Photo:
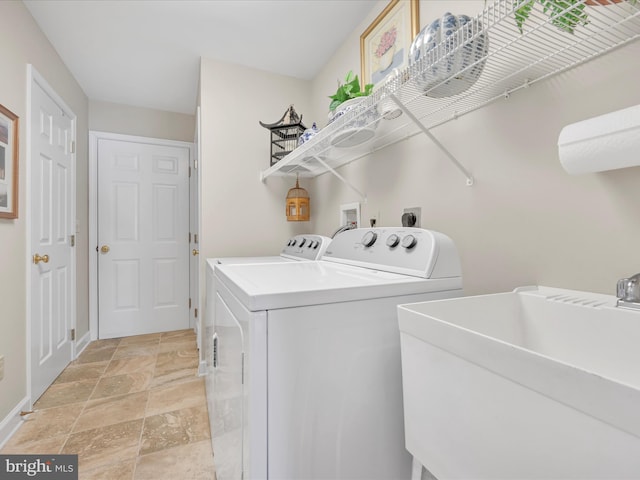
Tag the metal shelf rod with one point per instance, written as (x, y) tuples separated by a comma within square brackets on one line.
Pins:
[(419, 124), (341, 178)]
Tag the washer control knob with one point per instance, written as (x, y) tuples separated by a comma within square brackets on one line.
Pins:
[(369, 238), (302, 242), (409, 242), (293, 242), (393, 240)]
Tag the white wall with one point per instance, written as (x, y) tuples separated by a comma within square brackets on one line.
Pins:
[(526, 221), (138, 121), (240, 215), (22, 42)]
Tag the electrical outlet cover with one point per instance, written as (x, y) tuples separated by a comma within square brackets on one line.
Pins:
[(417, 211)]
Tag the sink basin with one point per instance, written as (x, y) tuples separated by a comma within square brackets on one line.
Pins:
[(536, 383)]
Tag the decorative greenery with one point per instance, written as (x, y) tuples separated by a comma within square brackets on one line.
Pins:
[(564, 14), (348, 90)]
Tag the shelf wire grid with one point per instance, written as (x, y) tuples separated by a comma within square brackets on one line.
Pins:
[(514, 60)]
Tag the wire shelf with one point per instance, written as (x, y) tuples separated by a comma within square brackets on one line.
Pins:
[(514, 60)]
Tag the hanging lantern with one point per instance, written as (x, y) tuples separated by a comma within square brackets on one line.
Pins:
[(297, 204)]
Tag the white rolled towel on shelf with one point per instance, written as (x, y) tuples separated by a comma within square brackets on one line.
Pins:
[(606, 142)]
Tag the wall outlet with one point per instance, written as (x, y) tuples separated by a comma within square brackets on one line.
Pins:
[(374, 219), (1, 367), (417, 211)]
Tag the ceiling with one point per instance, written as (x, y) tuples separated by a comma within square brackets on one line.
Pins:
[(147, 53)]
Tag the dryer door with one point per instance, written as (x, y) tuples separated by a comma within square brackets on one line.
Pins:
[(226, 415)]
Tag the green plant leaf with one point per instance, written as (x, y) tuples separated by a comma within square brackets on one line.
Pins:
[(522, 12)]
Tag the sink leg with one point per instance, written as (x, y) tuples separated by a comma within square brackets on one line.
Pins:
[(416, 470)]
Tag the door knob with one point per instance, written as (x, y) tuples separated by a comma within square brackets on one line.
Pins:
[(37, 259), (104, 249), (195, 252)]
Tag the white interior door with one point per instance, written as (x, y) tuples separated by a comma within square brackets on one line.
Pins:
[(52, 197), (143, 244)]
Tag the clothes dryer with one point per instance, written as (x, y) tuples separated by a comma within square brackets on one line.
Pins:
[(307, 247), (307, 368)]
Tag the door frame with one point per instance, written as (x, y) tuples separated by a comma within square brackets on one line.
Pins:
[(35, 78), (94, 138)]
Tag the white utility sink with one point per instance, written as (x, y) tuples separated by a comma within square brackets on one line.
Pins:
[(538, 383)]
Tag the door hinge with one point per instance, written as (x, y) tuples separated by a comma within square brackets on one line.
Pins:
[(195, 164), (195, 238), (189, 171), (72, 147), (195, 313), (73, 334), (189, 237), (72, 240), (189, 302)]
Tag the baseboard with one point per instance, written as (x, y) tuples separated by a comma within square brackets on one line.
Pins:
[(83, 343), (12, 422)]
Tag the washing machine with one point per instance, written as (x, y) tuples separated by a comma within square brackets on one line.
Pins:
[(307, 366)]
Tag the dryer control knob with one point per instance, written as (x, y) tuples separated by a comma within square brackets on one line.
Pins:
[(302, 242), (393, 240), (369, 238), (293, 242), (409, 242)]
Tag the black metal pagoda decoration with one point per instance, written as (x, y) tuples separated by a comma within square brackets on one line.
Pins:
[(284, 134)]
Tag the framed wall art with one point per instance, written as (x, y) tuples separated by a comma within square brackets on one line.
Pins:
[(384, 45), (8, 163)]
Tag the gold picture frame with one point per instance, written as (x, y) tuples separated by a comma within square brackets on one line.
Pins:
[(384, 45), (8, 163)]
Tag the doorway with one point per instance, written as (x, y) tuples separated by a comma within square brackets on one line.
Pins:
[(51, 210), (139, 235)]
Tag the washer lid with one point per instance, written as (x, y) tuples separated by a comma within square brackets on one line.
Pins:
[(242, 260), (294, 284)]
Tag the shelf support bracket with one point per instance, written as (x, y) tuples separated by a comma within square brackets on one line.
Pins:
[(426, 131), (362, 196)]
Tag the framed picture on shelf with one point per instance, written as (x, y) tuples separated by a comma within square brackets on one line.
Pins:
[(384, 45), (8, 163)]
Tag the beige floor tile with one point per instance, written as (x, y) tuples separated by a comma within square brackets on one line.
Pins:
[(101, 404), (176, 397), (174, 377), (178, 334), (171, 429), (137, 339), (97, 354), (82, 371), (130, 364), (118, 471), (111, 410), (176, 360), (66, 393), (187, 462), (98, 345), (136, 349), (46, 445), (185, 345), (51, 422), (123, 384), (105, 445)]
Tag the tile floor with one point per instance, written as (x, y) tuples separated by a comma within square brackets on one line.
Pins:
[(132, 408)]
